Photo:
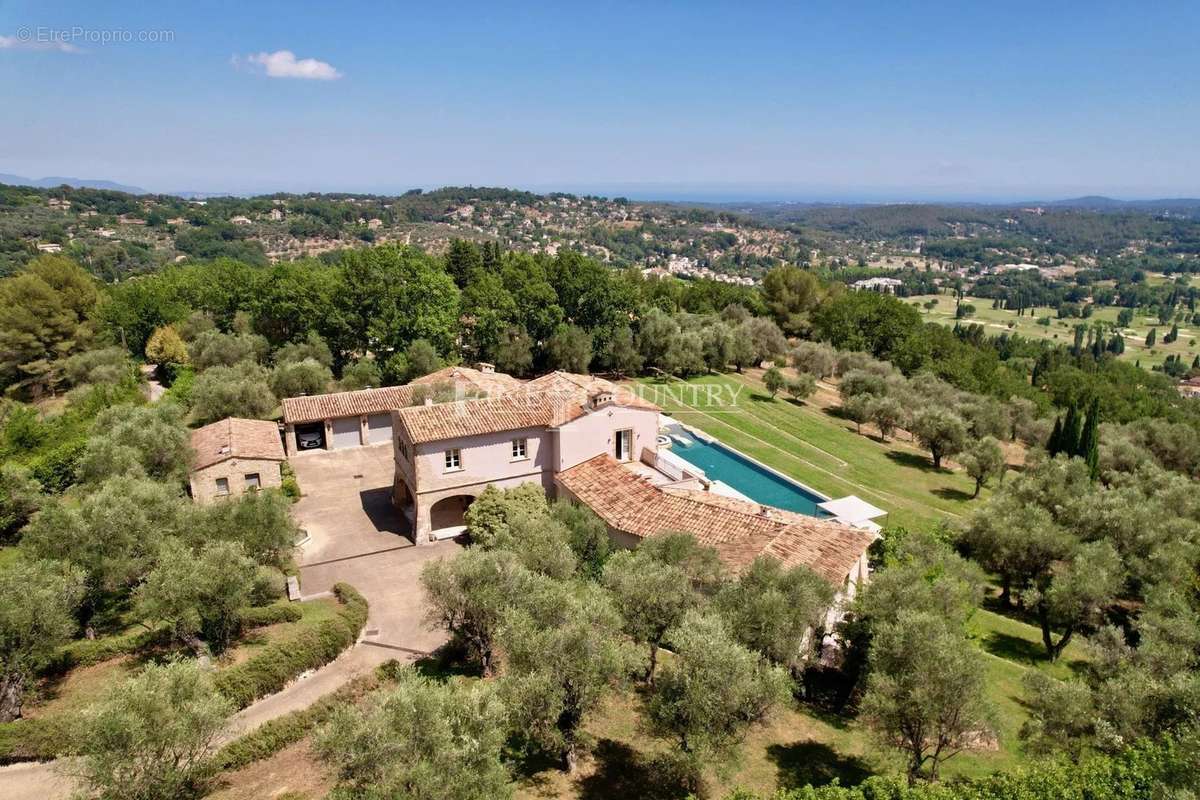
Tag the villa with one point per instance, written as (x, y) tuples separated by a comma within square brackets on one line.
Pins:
[(459, 430)]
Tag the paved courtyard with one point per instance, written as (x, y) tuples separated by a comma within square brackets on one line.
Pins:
[(357, 537)]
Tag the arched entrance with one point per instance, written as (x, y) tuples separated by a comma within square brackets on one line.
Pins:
[(447, 517)]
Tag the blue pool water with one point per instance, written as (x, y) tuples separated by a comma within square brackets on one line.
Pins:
[(761, 485)]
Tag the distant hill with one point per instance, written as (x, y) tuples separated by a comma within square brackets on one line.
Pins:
[(78, 183), (1100, 203)]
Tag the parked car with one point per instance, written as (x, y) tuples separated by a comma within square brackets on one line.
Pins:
[(310, 440)]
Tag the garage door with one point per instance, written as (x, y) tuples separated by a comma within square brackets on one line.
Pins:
[(379, 428), (345, 433)]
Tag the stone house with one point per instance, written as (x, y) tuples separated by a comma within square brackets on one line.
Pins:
[(234, 456)]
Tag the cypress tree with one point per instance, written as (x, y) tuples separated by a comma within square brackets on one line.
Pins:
[(1054, 443), (1069, 443), (1151, 336), (1089, 440)]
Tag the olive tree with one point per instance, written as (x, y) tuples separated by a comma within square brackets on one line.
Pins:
[(425, 740), (294, 378), (260, 522), (709, 696), (199, 594), (37, 605), (139, 441), (20, 497), (776, 611), (470, 594), (242, 390), (564, 655), (983, 460), (774, 381), (925, 693), (941, 432), (151, 738), (491, 515), (1072, 595), (112, 534), (801, 387), (886, 413), (652, 597)]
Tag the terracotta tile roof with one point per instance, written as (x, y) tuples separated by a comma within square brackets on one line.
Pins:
[(312, 408), (581, 388), (236, 438), (488, 383), (739, 531), (549, 401), (462, 418)]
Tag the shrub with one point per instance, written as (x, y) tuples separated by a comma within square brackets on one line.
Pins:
[(55, 470), (274, 666), (289, 485), (31, 740), (273, 614)]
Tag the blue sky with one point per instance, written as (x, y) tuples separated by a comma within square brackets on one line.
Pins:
[(800, 100)]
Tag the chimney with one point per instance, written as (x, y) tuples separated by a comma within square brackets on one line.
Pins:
[(486, 368), (428, 401)]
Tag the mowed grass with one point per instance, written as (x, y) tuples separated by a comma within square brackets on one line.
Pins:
[(816, 447), (1062, 331)]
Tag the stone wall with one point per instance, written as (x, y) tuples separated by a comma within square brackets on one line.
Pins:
[(234, 470)]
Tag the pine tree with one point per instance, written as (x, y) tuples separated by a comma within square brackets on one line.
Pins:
[(1054, 443), (1069, 443), (1089, 440)]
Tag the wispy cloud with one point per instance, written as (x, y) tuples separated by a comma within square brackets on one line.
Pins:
[(25, 42), (284, 64)]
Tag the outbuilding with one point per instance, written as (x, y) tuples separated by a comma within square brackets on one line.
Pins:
[(234, 456)]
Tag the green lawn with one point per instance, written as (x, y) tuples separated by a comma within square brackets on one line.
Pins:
[(997, 321), (818, 448)]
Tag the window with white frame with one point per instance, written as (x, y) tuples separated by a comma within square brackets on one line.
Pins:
[(453, 459), (222, 486), (520, 449)]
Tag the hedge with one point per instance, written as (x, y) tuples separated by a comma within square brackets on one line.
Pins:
[(276, 734), (273, 614), (278, 663), (88, 652)]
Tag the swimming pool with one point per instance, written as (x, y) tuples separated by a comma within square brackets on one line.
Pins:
[(762, 485)]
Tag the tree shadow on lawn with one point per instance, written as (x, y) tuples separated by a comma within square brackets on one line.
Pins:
[(622, 771), (914, 460), (950, 493), (1025, 652), (802, 763)]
